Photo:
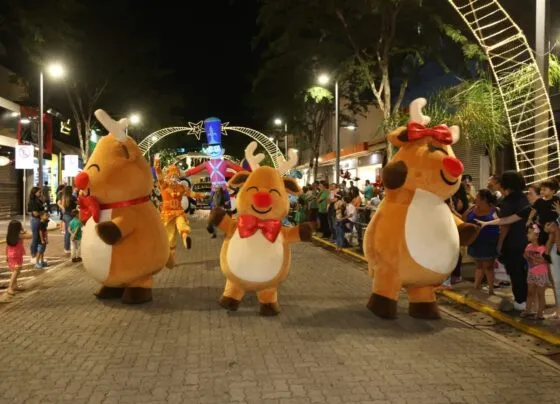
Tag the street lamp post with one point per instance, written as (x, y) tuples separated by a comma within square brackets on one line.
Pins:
[(323, 79), (55, 70), (278, 122), (41, 133)]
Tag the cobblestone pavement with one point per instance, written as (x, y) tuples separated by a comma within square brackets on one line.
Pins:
[(60, 345)]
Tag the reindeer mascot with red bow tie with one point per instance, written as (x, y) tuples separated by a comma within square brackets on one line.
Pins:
[(124, 242), (256, 254), (413, 239)]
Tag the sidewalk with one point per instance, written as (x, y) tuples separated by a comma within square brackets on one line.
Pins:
[(498, 306)]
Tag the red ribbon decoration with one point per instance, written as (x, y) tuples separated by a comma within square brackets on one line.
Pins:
[(441, 133), (248, 225), (91, 208)]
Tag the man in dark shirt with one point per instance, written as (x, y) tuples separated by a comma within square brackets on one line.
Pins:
[(513, 238)]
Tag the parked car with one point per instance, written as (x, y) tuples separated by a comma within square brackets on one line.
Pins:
[(203, 189)]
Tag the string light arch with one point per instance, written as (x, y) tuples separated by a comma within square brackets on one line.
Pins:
[(521, 85), (197, 129)]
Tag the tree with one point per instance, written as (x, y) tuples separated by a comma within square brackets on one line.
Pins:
[(378, 43), (316, 107)]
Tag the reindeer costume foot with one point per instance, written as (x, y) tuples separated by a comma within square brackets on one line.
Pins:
[(229, 303), (137, 295), (269, 309), (107, 292), (425, 310), (382, 306)]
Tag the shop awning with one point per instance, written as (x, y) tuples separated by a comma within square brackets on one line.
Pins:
[(60, 147)]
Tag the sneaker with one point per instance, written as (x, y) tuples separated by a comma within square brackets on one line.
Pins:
[(74, 260), (519, 306), (39, 266), (45, 263), (66, 252)]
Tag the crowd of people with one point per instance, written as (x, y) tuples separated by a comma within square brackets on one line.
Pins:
[(520, 229), (335, 208), (40, 208)]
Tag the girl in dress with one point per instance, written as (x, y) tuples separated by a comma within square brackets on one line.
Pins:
[(537, 278), (14, 253), (484, 248)]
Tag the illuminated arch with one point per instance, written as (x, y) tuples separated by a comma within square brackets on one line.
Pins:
[(522, 89), (203, 157), (197, 129)]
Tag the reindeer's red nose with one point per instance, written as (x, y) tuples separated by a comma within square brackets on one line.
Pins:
[(82, 180), (262, 200), (453, 166)]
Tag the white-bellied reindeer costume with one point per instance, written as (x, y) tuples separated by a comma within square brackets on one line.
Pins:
[(413, 239), (256, 255), (124, 242)]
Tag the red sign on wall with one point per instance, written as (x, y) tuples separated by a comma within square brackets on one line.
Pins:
[(28, 128)]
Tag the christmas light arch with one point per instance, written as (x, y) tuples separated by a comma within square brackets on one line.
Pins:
[(197, 129), (522, 89)]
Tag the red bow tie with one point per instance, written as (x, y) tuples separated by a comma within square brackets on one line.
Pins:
[(90, 206), (441, 133), (248, 225)]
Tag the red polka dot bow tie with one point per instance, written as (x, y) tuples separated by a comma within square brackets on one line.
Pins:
[(248, 225)]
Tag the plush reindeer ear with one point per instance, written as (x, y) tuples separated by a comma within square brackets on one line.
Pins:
[(398, 137), (292, 186), (128, 149), (239, 179)]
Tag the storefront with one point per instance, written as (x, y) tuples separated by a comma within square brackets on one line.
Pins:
[(369, 168), (10, 179)]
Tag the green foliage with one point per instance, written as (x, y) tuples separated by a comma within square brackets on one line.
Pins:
[(167, 157), (318, 94), (554, 71)]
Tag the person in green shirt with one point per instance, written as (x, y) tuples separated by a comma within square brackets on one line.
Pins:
[(368, 191), (75, 229), (323, 202)]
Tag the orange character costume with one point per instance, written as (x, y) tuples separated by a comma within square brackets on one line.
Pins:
[(123, 240), (172, 213), (413, 239)]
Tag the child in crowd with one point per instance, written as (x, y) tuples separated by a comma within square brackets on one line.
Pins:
[(341, 220), (75, 228), (14, 253), (537, 278), (542, 211), (43, 240)]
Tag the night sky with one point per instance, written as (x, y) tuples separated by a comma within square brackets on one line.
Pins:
[(207, 45)]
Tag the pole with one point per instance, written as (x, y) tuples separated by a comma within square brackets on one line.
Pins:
[(24, 195), (41, 134), (286, 138), (337, 132), (542, 118)]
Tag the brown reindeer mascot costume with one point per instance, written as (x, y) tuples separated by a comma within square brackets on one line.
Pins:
[(124, 242), (256, 254), (413, 239)]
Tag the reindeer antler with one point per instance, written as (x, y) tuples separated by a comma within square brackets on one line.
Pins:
[(287, 165), (250, 156), (116, 128), (416, 111)]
